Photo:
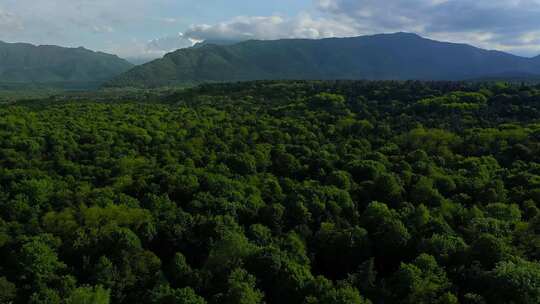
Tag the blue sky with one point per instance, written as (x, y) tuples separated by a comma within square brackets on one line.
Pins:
[(149, 28)]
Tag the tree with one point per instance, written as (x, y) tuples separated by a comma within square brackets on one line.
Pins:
[(285, 164), (516, 281), (166, 295), (343, 295), (340, 179), (423, 281), (328, 101), (341, 251), (45, 296), (260, 235), (229, 252), (180, 271), (39, 262), (8, 291), (89, 295), (387, 232), (423, 192), (323, 291), (282, 278), (388, 189), (447, 249), (489, 250), (241, 289), (242, 163)]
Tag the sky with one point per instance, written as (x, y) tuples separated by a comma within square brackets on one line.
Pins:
[(150, 28)]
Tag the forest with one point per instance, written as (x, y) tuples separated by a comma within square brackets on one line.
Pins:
[(285, 192)]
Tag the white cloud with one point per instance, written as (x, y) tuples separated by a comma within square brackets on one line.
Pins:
[(242, 28), (501, 24), (271, 27), (107, 25), (168, 20), (155, 48), (120, 25), (509, 25), (10, 23), (72, 22), (102, 29), (170, 43)]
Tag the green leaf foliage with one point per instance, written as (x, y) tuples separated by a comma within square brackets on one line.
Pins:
[(273, 192)]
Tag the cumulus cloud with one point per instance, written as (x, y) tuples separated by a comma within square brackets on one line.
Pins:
[(142, 51), (270, 27), (124, 26), (509, 25), (70, 22), (169, 43), (502, 24), (9, 23), (111, 26), (245, 28), (439, 15)]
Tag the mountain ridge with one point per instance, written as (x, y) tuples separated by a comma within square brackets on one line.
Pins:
[(398, 56), (25, 63)]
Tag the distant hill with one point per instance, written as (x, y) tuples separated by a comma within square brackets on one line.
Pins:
[(536, 61), (25, 64), (400, 56)]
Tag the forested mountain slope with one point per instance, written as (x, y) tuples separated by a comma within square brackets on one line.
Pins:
[(399, 56), (22, 63)]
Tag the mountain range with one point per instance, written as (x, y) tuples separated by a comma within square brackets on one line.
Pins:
[(22, 63), (399, 56)]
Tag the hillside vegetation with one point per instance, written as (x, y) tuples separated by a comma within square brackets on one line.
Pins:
[(399, 56), (26, 64), (274, 192)]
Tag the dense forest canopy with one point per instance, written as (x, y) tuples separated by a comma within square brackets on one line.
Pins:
[(274, 192)]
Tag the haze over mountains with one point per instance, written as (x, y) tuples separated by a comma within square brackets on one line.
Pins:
[(22, 63), (399, 56)]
